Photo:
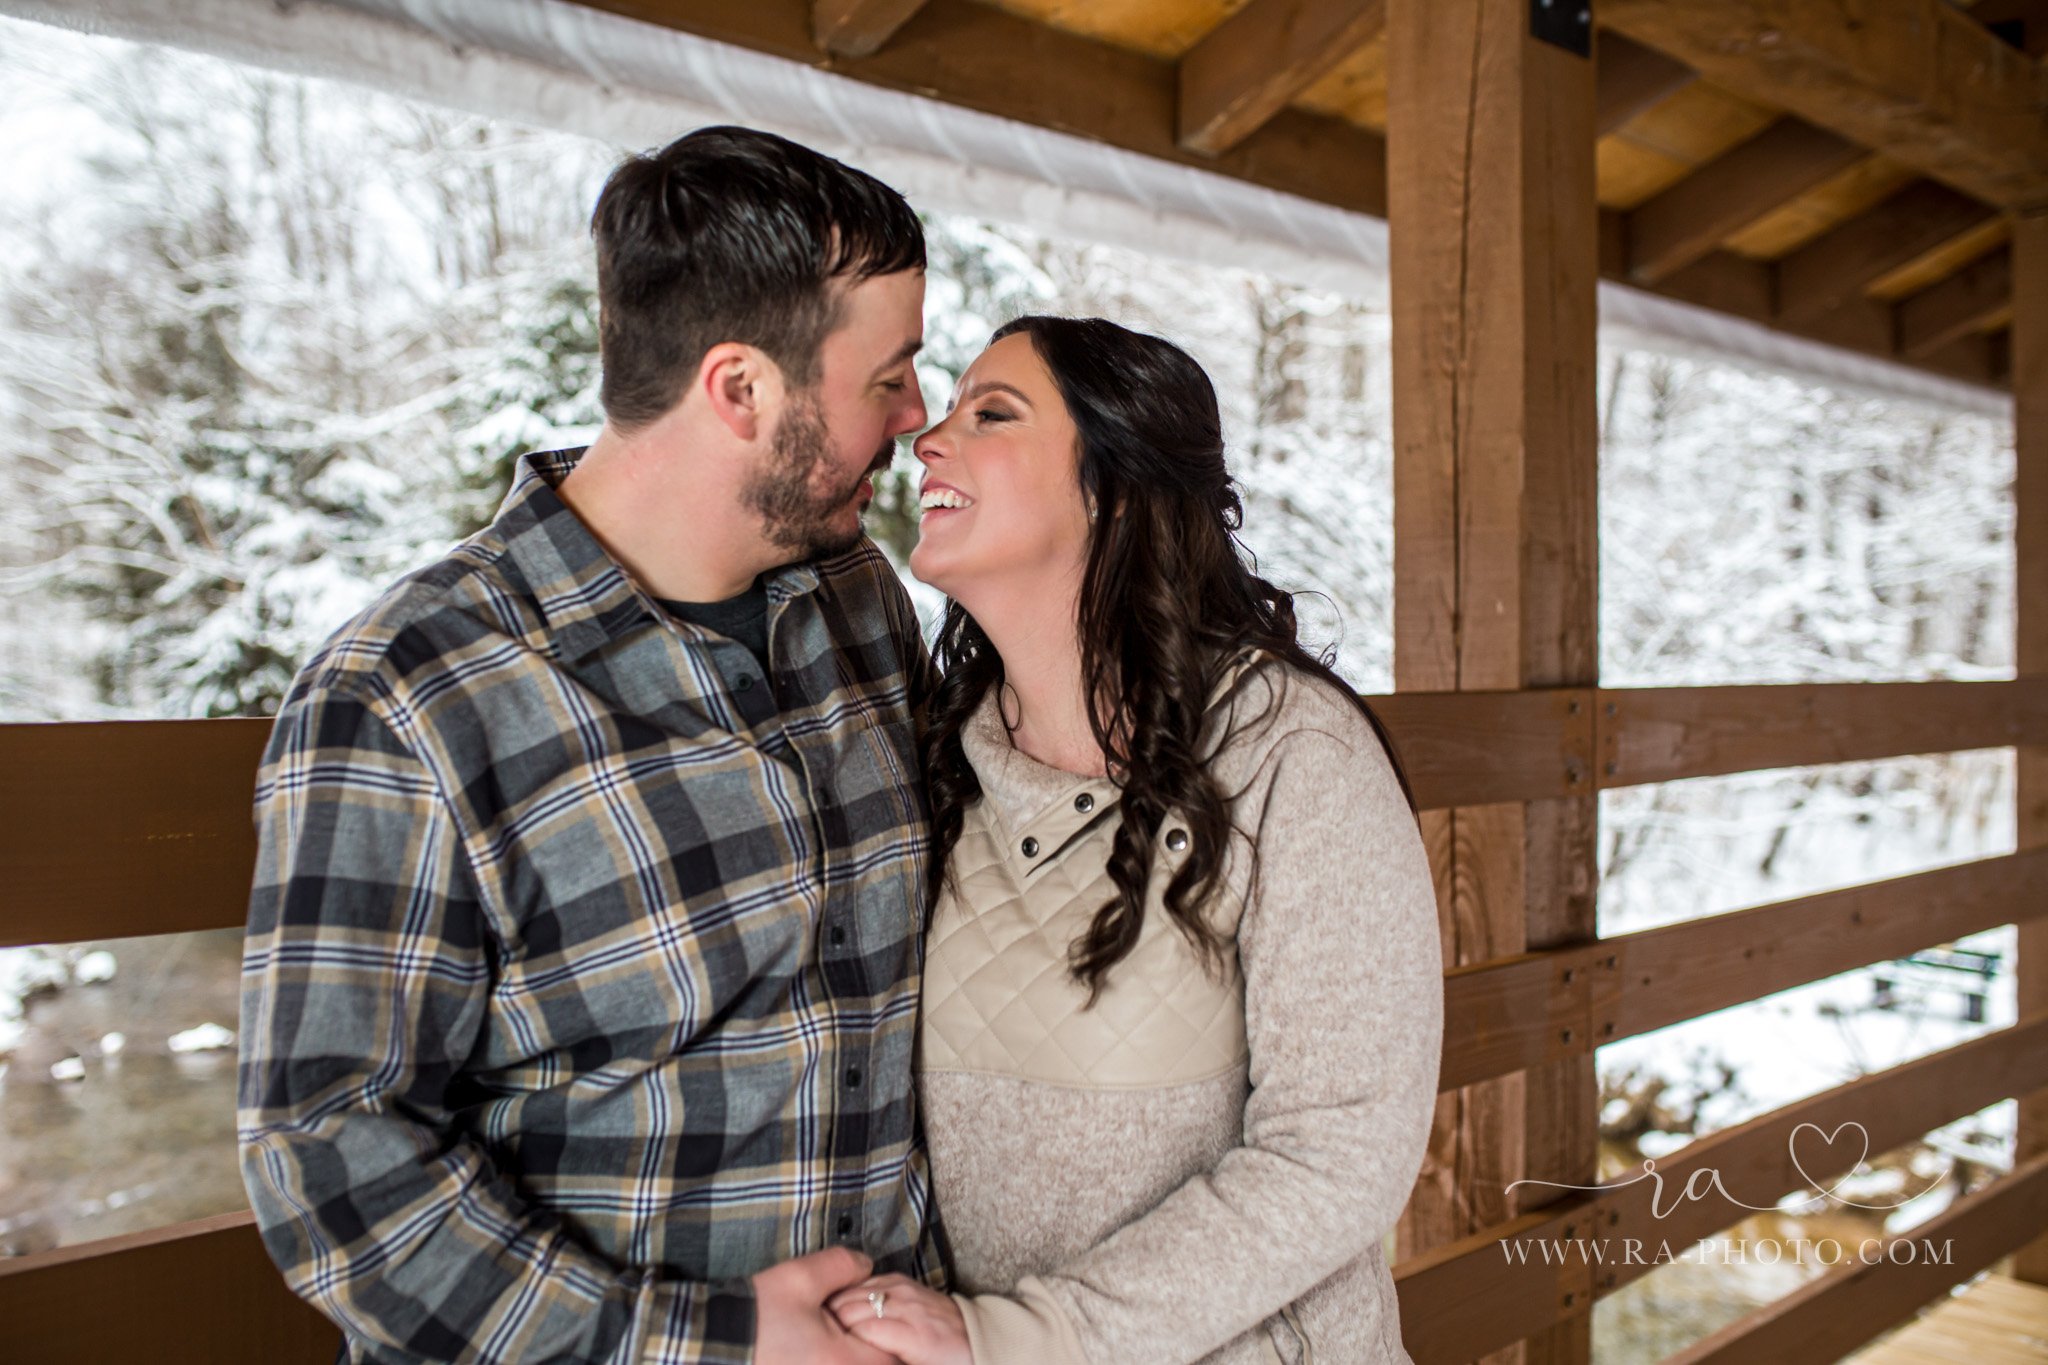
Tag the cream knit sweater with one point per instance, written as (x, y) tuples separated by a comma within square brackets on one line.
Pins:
[(1195, 1169)]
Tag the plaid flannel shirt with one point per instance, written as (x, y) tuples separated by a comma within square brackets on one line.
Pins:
[(565, 1006)]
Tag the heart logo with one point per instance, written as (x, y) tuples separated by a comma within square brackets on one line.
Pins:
[(1830, 1160)]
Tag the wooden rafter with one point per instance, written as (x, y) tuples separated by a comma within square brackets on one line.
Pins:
[(1690, 219), (1255, 62), (856, 28), (1972, 300), (1629, 78), (1836, 266), (1918, 80)]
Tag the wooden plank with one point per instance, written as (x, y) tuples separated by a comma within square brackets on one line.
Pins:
[(1475, 748), (199, 1293), (117, 828), (1843, 1308), (982, 58), (1531, 1009), (1631, 78), (1690, 219), (1996, 1321), (1494, 235), (1256, 61), (1971, 300), (1837, 266), (1918, 80), (857, 28), (2030, 596), (1705, 1187), (1663, 734)]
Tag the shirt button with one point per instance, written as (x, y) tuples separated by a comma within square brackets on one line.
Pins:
[(1176, 839), (745, 684), (1084, 803), (838, 936), (853, 1078), (846, 1225)]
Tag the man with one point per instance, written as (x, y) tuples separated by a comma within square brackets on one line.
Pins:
[(582, 968)]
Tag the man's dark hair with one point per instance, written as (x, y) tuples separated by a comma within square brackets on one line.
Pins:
[(732, 234)]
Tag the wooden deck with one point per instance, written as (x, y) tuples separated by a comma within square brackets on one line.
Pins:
[(1996, 1321)]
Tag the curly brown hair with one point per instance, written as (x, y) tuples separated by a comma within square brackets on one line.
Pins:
[(1169, 599)]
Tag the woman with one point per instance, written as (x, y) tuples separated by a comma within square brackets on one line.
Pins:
[(1183, 986)]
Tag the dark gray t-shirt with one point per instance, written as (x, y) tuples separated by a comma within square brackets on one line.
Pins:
[(743, 619)]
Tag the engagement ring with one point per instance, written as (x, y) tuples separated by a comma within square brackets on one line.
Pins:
[(877, 1297)]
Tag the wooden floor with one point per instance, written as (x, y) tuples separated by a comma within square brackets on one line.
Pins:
[(1996, 1321)]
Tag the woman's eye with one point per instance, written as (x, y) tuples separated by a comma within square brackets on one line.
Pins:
[(992, 414)]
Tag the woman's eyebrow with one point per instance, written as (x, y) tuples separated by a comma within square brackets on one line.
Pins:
[(997, 386)]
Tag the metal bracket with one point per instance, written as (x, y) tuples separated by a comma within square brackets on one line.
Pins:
[(1563, 23)]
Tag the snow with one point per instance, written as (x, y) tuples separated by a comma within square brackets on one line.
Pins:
[(204, 1038)]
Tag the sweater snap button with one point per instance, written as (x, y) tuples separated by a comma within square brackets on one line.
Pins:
[(1176, 839), (1084, 803), (1031, 848)]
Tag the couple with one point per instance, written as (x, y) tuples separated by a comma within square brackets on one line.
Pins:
[(615, 870)]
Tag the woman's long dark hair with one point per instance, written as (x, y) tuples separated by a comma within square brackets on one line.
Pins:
[(1168, 599)]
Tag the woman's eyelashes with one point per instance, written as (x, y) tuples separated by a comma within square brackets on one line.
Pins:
[(991, 415)]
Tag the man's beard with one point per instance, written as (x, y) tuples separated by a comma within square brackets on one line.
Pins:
[(793, 516)]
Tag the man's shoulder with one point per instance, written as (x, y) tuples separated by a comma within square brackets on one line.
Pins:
[(416, 626)]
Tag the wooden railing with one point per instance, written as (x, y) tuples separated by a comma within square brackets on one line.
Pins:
[(129, 828)]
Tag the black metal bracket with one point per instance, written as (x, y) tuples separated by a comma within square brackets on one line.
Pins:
[(1563, 23)]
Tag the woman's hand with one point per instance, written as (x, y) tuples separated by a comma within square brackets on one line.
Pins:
[(919, 1325)]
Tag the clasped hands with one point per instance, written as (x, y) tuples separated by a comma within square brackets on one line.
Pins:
[(816, 1310)]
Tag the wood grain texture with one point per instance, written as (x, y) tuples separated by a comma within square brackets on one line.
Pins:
[(1259, 59), (1918, 80), (199, 1293), (856, 28)]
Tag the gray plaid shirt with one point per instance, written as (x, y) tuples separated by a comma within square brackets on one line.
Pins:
[(566, 1004)]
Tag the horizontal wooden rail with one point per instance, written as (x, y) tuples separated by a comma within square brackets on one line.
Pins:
[(1825, 1318), (1533, 1008), (198, 1293), (120, 828), (1697, 1191), (1662, 734)]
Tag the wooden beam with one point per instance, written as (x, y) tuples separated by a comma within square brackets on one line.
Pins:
[(198, 1293), (1630, 78), (2030, 598), (1494, 236), (858, 28), (1757, 1163), (1665, 734), (1253, 64), (1476, 748), (1918, 80), (1690, 219), (1835, 267), (1531, 1009), (1842, 1308), (980, 57), (1969, 301)]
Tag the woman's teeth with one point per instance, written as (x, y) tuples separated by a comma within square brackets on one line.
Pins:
[(943, 497)]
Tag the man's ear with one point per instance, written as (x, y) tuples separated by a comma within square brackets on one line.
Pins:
[(742, 387)]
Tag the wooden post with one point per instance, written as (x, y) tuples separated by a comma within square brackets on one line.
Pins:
[(2030, 599), (1493, 225)]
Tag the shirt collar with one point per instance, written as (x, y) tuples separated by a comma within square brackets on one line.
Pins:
[(588, 598)]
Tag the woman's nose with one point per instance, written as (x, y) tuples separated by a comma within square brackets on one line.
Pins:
[(932, 445)]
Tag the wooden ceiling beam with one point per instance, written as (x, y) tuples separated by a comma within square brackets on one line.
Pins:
[(1918, 80), (979, 57), (1253, 64), (858, 28), (1629, 78), (1677, 227), (1841, 262), (2022, 23), (1972, 300)]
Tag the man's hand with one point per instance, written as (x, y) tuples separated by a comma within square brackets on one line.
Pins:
[(792, 1324)]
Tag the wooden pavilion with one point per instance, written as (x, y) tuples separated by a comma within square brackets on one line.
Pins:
[(1868, 174)]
